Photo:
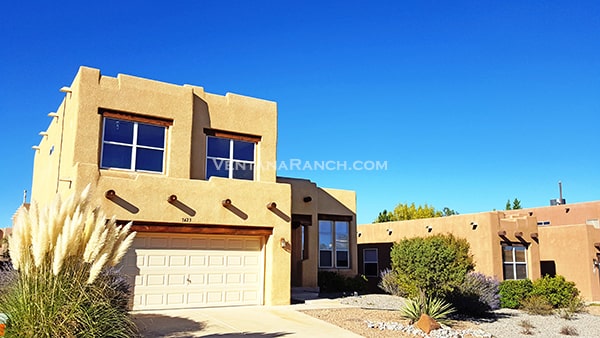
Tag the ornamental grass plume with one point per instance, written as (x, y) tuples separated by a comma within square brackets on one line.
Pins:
[(43, 239)]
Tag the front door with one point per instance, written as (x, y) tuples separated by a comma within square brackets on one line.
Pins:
[(300, 224)]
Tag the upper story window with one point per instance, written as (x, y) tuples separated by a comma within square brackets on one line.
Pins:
[(133, 143), (230, 155)]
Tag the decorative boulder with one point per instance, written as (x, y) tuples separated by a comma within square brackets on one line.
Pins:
[(427, 324)]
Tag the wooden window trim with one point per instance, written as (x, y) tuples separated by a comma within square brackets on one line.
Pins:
[(339, 218), (158, 121), (232, 135)]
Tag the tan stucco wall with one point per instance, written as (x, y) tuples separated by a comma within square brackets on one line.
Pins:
[(572, 249), (485, 244), (324, 201), (76, 141)]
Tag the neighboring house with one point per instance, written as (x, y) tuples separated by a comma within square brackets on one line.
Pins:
[(512, 244), (196, 173)]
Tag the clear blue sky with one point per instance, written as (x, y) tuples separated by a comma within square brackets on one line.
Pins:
[(469, 102)]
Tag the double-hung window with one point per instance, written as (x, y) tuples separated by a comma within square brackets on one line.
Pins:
[(370, 262), (133, 145), (514, 259), (333, 244), (230, 158)]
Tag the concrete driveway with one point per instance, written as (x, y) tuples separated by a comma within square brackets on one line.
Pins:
[(246, 321)]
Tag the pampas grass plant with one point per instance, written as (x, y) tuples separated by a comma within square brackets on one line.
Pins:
[(59, 253)]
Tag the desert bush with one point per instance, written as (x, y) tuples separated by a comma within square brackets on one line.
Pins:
[(333, 282), (389, 283), (575, 305), (436, 264), (557, 290), (477, 295), (536, 305), (527, 327), (436, 308), (513, 292), (569, 331), (62, 287)]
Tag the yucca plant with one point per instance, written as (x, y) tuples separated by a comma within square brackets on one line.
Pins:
[(59, 252), (435, 308)]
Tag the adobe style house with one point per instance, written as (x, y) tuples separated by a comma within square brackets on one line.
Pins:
[(511, 244), (196, 173)]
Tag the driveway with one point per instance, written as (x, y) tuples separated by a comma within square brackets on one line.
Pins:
[(245, 321)]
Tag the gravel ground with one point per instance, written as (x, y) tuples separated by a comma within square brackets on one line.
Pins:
[(378, 309)]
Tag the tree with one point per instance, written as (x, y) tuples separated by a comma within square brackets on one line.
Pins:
[(384, 216), (405, 211), (516, 204)]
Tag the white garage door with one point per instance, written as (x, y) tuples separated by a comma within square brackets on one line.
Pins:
[(185, 271)]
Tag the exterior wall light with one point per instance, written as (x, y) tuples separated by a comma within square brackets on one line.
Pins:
[(389, 231), (226, 202), (429, 228), (359, 234), (282, 242), (474, 225)]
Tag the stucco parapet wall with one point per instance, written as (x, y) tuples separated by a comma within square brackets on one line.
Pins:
[(145, 197), (322, 200)]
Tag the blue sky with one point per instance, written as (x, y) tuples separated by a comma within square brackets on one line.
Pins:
[(469, 103)]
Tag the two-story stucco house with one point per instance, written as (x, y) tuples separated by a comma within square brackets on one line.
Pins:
[(196, 173)]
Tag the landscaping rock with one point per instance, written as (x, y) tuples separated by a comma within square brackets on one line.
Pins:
[(427, 324)]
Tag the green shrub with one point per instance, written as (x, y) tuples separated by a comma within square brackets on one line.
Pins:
[(436, 264), (333, 282), (557, 290), (536, 305), (513, 292), (435, 308), (477, 295)]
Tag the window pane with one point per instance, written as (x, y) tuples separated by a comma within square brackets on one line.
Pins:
[(118, 131), (218, 147), (370, 255), (116, 156), (243, 150), (520, 254), (149, 159), (341, 235), (508, 271), (371, 270), (243, 170), (325, 235), (507, 255), (152, 136), (341, 259), (325, 257), (521, 271), (219, 168)]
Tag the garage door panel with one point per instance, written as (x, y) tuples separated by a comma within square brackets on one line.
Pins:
[(195, 271)]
